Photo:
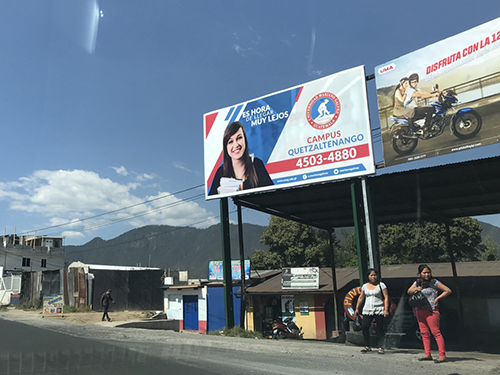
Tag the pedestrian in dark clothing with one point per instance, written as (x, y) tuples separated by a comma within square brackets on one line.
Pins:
[(106, 300)]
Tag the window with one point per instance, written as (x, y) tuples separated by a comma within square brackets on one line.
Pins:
[(43, 263), (26, 262)]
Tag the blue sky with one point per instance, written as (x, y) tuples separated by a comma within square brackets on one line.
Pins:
[(102, 102)]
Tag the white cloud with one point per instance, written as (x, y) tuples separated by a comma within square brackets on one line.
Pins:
[(121, 170), (72, 234), (181, 166), (67, 197), (145, 177)]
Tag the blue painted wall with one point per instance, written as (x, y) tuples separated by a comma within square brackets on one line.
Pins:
[(216, 318)]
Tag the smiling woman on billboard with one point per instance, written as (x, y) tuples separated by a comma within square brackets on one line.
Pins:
[(239, 170)]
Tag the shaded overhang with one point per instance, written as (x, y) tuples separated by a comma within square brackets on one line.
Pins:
[(470, 188)]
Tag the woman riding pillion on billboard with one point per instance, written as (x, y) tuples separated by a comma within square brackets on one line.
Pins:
[(238, 164), (399, 100)]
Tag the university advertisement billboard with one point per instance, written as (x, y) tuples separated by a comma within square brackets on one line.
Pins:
[(315, 132), (454, 83)]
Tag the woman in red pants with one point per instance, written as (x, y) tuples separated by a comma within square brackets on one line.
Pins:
[(428, 316)]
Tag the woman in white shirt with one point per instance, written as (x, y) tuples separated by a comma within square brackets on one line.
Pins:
[(375, 296)]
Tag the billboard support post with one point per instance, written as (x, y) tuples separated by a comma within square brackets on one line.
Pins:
[(371, 228), (226, 263), (242, 267), (359, 227), (455, 275), (334, 282)]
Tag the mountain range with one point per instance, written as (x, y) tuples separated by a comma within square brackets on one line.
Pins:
[(182, 248), (163, 246)]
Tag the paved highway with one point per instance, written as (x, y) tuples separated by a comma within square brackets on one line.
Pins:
[(31, 345), (25, 349)]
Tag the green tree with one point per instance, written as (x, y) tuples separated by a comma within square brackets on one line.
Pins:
[(292, 244), (266, 260), (490, 250), (427, 241), (346, 251)]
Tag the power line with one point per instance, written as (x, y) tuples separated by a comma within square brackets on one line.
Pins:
[(144, 213), (152, 235), (117, 210)]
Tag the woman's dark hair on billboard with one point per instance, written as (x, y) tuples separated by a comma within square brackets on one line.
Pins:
[(227, 167)]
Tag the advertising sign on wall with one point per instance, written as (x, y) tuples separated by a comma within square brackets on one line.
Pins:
[(300, 278), (315, 132), (287, 305), (216, 270), (443, 98)]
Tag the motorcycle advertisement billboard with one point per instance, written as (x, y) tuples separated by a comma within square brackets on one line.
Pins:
[(443, 98), (315, 132)]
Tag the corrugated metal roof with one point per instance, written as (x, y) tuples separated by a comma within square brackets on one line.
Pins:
[(79, 264), (348, 274), (181, 286), (469, 188)]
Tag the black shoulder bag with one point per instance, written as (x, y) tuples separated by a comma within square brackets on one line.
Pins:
[(417, 299)]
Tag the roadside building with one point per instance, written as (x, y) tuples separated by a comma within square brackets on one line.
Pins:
[(198, 305), (32, 266), (31, 253), (188, 305), (133, 288), (475, 300)]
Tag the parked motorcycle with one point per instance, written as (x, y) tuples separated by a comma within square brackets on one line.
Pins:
[(464, 124), (285, 329)]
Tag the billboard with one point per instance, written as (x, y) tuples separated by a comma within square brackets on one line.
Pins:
[(443, 98), (300, 278), (216, 270), (315, 132), (53, 304)]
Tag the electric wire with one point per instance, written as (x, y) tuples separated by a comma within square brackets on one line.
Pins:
[(144, 213), (114, 211), (171, 230)]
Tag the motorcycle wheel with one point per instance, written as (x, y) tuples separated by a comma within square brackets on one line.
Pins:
[(467, 125), (281, 335), (275, 334), (402, 145)]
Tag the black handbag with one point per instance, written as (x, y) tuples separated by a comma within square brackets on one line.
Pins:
[(417, 299), (358, 323)]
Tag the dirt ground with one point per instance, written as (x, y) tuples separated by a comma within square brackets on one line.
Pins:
[(91, 317)]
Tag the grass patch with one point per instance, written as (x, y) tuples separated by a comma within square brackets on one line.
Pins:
[(25, 304), (237, 332)]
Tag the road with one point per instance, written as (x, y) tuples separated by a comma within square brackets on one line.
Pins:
[(33, 345), (26, 349)]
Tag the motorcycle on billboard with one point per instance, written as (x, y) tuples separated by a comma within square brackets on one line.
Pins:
[(464, 123)]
